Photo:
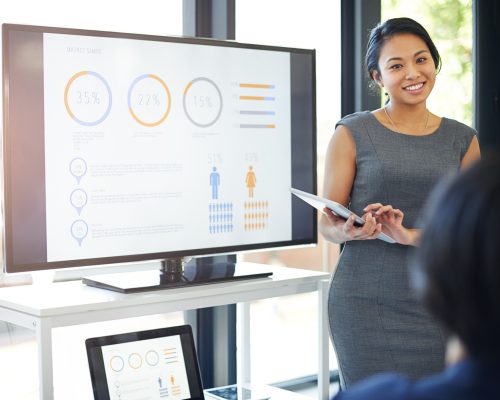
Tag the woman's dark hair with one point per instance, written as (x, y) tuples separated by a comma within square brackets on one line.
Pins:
[(386, 30), (457, 265)]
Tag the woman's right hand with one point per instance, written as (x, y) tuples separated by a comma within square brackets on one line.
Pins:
[(339, 230)]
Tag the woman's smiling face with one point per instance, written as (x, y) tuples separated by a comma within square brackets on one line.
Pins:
[(407, 70)]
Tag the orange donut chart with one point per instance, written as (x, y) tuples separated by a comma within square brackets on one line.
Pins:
[(131, 109), (135, 360)]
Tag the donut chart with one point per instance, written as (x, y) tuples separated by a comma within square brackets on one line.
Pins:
[(202, 102), (135, 361), (152, 358), (149, 100), (116, 363), (87, 98)]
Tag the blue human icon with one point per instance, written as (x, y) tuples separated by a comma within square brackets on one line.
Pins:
[(215, 182)]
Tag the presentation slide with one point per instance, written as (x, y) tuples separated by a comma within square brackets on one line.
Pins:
[(152, 146), (146, 369)]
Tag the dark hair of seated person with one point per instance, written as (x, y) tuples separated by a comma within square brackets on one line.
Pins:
[(458, 259)]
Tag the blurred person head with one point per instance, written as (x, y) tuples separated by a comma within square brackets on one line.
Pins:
[(457, 264)]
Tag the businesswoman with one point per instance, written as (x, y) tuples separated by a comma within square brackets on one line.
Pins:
[(457, 274), (382, 165)]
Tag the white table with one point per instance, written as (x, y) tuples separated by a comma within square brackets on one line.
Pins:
[(44, 307)]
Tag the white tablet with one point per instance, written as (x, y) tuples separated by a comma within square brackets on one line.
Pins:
[(320, 203)]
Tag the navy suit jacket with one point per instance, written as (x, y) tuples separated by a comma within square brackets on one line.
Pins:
[(467, 380)]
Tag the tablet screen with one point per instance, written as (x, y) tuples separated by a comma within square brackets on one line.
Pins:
[(155, 364)]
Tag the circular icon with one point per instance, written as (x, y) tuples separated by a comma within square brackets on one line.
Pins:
[(149, 100), (79, 230), (152, 358), (135, 360), (78, 199), (87, 98), (116, 363), (78, 168), (202, 102)]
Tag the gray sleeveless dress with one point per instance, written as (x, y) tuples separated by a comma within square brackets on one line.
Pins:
[(376, 323)]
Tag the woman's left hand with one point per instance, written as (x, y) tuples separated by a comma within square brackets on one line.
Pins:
[(392, 223)]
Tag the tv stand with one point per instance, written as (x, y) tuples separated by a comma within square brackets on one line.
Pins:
[(45, 307), (172, 270), (175, 273)]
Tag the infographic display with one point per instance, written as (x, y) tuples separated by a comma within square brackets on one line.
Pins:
[(146, 369), (152, 146)]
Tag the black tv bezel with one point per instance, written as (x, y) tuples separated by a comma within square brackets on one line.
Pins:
[(145, 257)]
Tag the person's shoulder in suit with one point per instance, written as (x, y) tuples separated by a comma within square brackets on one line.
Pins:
[(466, 380), (385, 386)]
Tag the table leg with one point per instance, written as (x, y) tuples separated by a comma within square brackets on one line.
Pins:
[(43, 329), (323, 342), (243, 361)]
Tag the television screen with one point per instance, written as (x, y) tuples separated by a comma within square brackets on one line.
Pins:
[(125, 147)]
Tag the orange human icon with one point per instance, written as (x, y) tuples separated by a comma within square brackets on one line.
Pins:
[(172, 380), (250, 180)]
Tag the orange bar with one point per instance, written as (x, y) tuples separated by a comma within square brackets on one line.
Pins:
[(252, 97), (256, 85), (271, 126)]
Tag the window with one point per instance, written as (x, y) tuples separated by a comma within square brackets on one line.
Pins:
[(151, 17), (312, 25)]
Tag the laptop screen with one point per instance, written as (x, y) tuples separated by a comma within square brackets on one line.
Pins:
[(153, 364)]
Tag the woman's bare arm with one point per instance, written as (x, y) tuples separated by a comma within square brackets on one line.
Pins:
[(340, 170)]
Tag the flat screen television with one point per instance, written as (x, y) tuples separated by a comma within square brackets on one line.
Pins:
[(122, 147)]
